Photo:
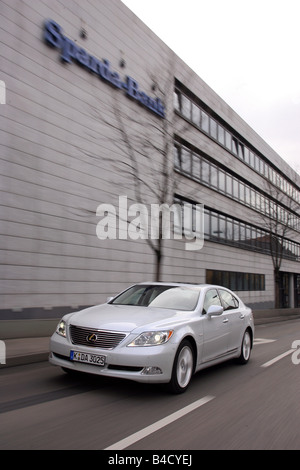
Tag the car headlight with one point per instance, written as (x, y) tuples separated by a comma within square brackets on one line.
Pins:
[(152, 338), (61, 328)]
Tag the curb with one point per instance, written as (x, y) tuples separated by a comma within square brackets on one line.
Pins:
[(25, 360)]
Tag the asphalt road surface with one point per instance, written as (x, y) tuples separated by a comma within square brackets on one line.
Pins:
[(226, 407)]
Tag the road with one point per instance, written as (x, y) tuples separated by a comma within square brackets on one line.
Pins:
[(226, 407)]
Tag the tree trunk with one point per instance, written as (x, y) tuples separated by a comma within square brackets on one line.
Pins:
[(158, 258), (277, 287)]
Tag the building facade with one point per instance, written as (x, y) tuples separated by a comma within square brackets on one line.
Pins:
[(100, 113)]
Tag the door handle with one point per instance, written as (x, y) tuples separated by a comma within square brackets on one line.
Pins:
[(242, 316), (226, 320)]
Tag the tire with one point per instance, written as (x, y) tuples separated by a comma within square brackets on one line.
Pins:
[(245, 348), (183, 368)]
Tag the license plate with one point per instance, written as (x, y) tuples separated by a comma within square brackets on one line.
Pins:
[(87, 358)]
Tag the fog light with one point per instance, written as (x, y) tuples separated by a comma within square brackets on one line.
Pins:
[(151, 371)]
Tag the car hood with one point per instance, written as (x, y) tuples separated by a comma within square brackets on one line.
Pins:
[(126, 318)]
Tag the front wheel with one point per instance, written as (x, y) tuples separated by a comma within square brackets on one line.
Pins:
[(183, 368), (246, 348)]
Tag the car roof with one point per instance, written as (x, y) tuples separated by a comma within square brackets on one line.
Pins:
[(181, 284)]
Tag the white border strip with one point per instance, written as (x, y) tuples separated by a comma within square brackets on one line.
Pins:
[(276, 359), (128, 441)]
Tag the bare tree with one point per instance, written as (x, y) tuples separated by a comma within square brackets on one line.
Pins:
[(145, 149), (280, 222)]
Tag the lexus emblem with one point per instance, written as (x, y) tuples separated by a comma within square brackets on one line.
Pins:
[(92, 338)]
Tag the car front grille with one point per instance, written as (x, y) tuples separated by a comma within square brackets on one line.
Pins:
[(95, 338)]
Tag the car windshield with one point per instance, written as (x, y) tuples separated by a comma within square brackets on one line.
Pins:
[(160, 296)]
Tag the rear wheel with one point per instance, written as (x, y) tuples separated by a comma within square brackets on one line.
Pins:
[(245, 348), (183, 368)]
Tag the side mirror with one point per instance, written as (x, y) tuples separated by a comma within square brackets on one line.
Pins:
[(215, 310)]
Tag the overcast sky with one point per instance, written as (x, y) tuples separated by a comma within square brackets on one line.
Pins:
[(247, 51)]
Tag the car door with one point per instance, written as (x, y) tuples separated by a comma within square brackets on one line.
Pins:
[(215, 329), (236, 322)]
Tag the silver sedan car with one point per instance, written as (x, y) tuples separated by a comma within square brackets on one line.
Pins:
[(156, 333)]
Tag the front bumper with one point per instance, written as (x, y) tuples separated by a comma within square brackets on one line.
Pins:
[(151, 364)]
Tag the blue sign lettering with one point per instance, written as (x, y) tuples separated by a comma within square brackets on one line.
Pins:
[(71, 52)]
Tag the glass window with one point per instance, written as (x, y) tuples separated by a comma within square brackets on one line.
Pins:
[(209, 276), (211, 298), (186, 160), (241, 151), (196, 115), (236, 232), (207, 224), (188, 219), (256, 163), (252, 282), (177, 100), (177, 157), (218, 278), (229, 229), (240, 282), (254, 237), (221, 181), (215, 226), (228, 140), (213, 129), (246, 281), (234, 146), (263, 204), (229, 185), (235, 189), (253, 198), (247, 195), (233, 280), (242, 192), (221, 135), (222, 228), (267, 206), (266, 170), (261, 167), (248, 234), (273, 176), (228, 300), (258, 201), (225, 279), (185, 107), (258, 238), (204, 122), (183, 298), (205, 172), (246, 155), (242, 233), (214, 176), (196, 167)]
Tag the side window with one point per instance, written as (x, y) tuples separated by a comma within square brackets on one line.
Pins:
[(228, 300), (211, 298)]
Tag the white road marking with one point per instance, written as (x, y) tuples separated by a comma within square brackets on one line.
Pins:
[(278, 358), (128, 441), (263, 341)]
